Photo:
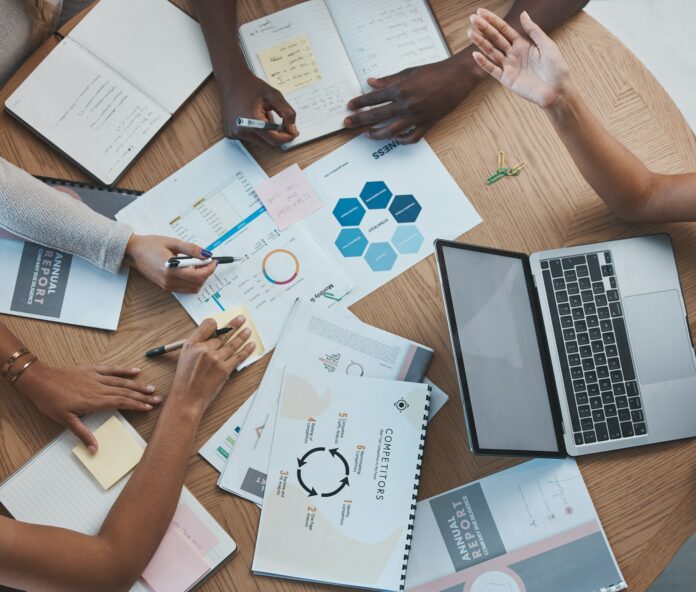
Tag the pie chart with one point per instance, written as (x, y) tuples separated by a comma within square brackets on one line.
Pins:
[(280, 266)]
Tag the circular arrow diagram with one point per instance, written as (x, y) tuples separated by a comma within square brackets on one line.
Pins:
[(311, 491)]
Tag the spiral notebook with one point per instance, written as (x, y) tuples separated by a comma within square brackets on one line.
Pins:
[(343, 478), (51, 285)]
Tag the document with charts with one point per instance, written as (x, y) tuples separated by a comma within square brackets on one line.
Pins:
[(384, 205), (320, 53), (342, 480), (212, 202), (532, 527), (332, 343)]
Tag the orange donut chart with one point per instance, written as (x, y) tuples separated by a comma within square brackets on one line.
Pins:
[(280, 282)]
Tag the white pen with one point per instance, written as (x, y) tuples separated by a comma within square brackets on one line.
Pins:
[(193, 262), (259, 124)]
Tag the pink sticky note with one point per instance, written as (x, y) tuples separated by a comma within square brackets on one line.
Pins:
[(288, 197), (178, 562)]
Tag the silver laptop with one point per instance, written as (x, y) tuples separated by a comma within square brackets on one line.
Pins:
[(572, 351)]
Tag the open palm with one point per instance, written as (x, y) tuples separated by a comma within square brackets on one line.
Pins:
[(529, 65)]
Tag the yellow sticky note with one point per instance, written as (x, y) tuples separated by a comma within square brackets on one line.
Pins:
[(290, 65), (225, 317), (118, 453)]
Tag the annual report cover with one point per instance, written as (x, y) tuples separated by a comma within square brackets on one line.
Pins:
[(531, 528), (51, 285), (342, 480)]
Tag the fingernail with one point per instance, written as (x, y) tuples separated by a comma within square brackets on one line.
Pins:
[(240, 319), (251, 346), (92, 449), (148, 407), (206, 253), (246, 331), (346, 121), (136, 370), (150, 388), (157, 399)]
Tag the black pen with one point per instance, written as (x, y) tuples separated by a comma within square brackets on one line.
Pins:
[(185, 261), (164, 349), (259, 124)]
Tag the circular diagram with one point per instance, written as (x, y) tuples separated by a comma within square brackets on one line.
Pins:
[(280, 266)]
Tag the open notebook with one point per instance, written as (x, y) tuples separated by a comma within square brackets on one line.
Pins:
[(106, 90), (320, 53), (55, 489)]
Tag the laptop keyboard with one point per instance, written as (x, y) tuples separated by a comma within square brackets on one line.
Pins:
[(600, 381)]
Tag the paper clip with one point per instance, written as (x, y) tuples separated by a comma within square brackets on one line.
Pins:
[(501, 160), (500, 174), (330, 296), (516, 170)]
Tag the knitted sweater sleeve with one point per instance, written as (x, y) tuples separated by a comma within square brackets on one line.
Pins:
[(36, 212)]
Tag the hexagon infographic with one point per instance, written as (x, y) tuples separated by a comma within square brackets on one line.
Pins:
[(405, 208), (351, 242), (378, 237), (375, 195), (349, 211), (380, 256)]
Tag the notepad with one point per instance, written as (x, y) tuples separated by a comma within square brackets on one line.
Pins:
[(289, 197), (320, 53), (54, 489), (117, 454), (108, 88), (225, 317)]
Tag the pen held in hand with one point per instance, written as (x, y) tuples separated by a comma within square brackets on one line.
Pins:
[(170, 347), (193, 262), (258, 124)]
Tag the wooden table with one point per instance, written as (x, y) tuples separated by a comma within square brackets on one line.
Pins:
[(646, 498)]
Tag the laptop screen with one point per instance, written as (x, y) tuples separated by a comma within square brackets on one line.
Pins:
[(498, 354)]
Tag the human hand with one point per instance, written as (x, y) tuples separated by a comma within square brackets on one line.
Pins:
[(206, 362), (529, 65), (148, 254), (64, 394), (253, 98), (411, 101)]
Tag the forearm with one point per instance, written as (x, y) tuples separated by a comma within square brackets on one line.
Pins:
[(549, 14), (44, 558), (218, 19), (36, 212)]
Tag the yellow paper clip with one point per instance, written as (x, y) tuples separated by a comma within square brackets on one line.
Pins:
[(501, 160), (517, 169)]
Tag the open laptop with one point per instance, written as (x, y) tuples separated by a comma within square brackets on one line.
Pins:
[(571, 351)]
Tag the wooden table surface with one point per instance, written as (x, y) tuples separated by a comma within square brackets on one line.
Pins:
[(645, 497)]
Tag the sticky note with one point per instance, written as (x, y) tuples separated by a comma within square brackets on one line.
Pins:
[(176, 565), (118, 452), (290, 65), (289, 197), (222, 318), (192, 528)]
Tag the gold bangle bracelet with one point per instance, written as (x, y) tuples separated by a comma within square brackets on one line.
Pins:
[(13, 376), (12, 359)]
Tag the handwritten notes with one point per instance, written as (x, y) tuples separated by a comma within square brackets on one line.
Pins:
[(225, 317), (118, 453), (290, 65), (289, 197), (179, 561)]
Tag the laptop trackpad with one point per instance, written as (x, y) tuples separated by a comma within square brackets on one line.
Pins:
[(659, 337)]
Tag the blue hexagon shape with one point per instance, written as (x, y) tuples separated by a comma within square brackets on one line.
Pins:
[(380, 256), (407, 239), (349, 211), (351, 242), (375, 195), (405, 208)]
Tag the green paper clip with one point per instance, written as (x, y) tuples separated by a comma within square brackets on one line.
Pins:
[(330, 296), (499, 174)]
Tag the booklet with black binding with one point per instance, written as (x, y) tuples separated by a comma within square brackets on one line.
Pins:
[(342, 480), (48, 284), (107, 88)]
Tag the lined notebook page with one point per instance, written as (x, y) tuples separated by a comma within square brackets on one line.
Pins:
[(321, 103), (55, 489), (94, 115), (383, 37)]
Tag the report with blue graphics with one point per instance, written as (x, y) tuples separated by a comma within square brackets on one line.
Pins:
[(212, 202), (530, 528)]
